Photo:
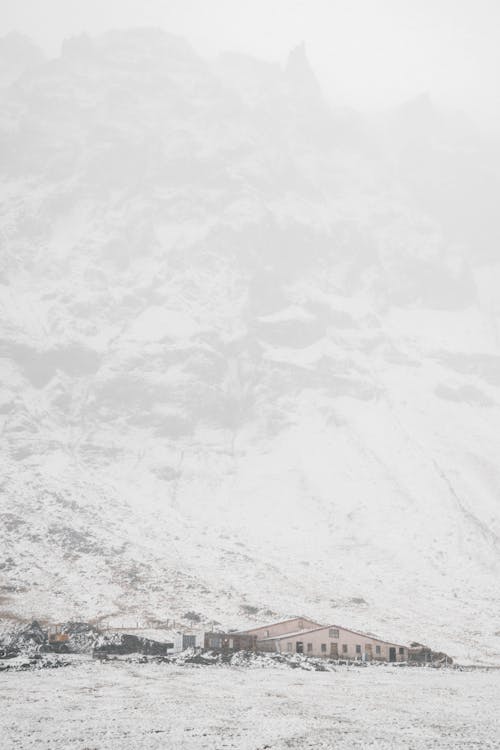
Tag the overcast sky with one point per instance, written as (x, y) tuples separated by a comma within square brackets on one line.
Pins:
[(367, 53)]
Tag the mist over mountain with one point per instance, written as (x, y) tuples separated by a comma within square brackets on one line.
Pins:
[(18, 53), (249, 347)]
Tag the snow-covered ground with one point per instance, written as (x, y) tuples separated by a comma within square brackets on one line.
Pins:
[(121, 705)]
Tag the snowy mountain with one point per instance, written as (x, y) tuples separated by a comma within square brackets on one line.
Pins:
[(250, 359)]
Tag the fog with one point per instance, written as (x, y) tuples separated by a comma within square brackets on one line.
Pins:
[(367, 54), (249, 367)]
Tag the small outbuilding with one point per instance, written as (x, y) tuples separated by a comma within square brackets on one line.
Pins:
[(230, 641)]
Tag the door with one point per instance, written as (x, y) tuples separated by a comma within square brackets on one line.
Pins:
[(188, 641), (392, 653), (299, 647), (334, 650)]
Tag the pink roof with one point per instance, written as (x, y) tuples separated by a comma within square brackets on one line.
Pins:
[(278, 622)]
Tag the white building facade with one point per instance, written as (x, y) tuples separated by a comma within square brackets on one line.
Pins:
[(335, 642)]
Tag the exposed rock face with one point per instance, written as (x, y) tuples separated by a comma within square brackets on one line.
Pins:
[(25, 639), (131, 644), (420, 654), (245, 361), (79, 638), (304, 83)]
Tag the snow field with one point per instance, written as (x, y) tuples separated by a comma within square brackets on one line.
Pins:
[(122, 705)]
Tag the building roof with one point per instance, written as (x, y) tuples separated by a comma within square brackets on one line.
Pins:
[(283, 636), (277, 622)]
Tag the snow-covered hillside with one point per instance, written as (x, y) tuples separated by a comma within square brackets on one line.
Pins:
[(247, 359)]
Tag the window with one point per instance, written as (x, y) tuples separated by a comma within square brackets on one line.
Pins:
[(323, 648), (289, 646), (266, 633), (309, 647), (344, 648), (377, 649), (358, 648), (401, 650), (333, 632)]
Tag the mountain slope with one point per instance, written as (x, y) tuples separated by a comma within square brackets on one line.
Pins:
[(243, 363)]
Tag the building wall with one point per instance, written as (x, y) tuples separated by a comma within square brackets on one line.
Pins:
[(278, 628), (347, 645), (177, 639), (230, 641)]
